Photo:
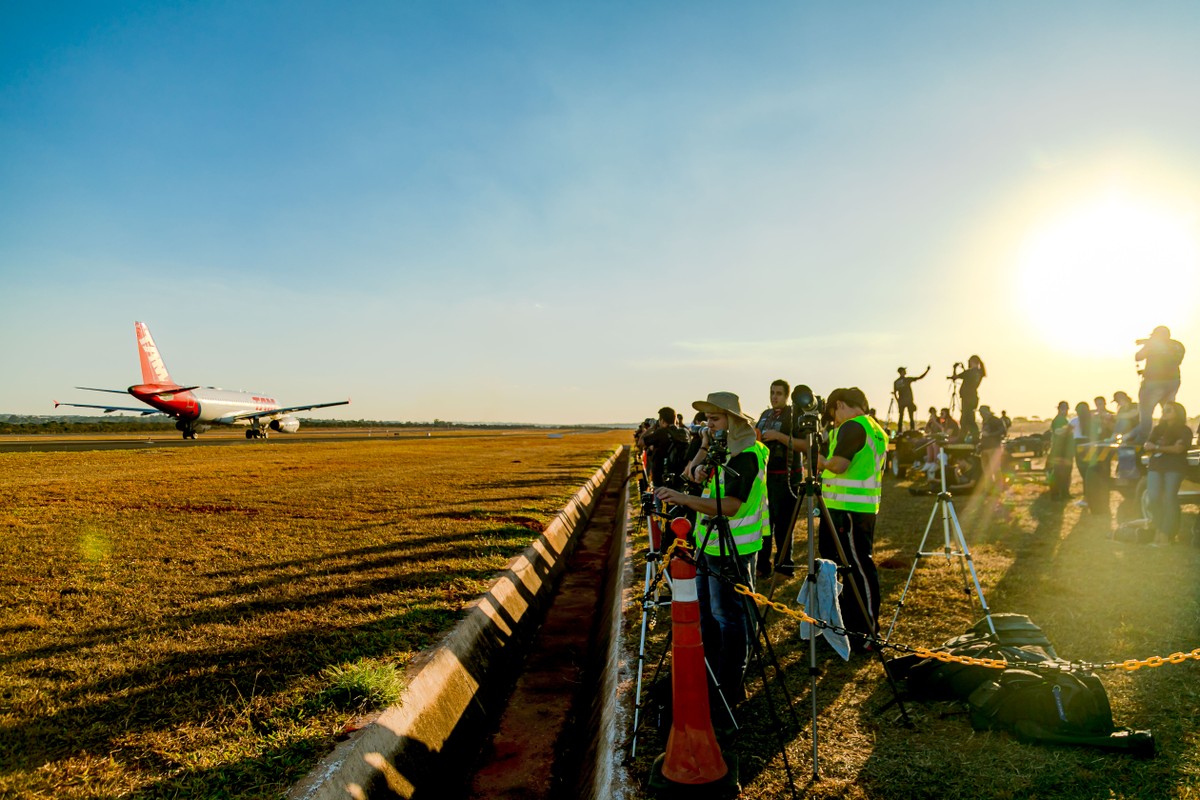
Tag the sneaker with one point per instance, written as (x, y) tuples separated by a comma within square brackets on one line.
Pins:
[(787, 570)]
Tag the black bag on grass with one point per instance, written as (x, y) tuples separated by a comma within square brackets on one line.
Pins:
[(1036, 698), (1054, 708)]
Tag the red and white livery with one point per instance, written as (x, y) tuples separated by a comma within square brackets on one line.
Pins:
[(194, 408)]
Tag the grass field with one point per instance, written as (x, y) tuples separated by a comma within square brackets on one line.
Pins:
[(1097, 600), (181, 622)]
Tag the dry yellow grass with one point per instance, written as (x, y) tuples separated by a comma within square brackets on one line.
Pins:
[(166, 614)]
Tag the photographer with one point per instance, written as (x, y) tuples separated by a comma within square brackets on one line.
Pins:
[(774, 429), (667, 445), (736, 491), (1160, 377), (902, 391), (968, 394), (852, 484)]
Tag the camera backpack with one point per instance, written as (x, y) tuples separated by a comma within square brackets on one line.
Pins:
[(1039, 698)]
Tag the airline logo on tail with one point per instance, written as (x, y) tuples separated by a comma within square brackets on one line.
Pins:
[(153, 369)]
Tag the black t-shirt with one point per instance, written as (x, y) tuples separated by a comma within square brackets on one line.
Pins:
[(903, 389), (1164, 434), (740, 475), (1162, 360), (851, 437), (660, 440), (970, 383), (992, 433)]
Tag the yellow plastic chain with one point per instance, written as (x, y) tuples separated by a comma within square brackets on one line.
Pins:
[(1130, 665)]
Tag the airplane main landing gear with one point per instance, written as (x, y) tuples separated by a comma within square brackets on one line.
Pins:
[(256, 433)]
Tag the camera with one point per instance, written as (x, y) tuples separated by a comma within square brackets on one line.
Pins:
[(806, 408), (718, 448)]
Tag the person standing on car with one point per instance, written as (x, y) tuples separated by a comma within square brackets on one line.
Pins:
[(1160, 376), (968, 394), (902, 391), (852, 489)]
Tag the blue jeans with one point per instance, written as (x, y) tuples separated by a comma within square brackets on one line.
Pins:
[(1151, 394), (728, 635), (1162, 500)]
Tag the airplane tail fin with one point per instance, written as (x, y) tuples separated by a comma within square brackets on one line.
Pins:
[(153, 369)]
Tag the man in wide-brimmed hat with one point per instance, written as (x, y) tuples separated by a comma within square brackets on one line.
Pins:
[(733, 521)]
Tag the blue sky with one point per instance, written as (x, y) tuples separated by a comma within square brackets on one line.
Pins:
[(579, 212)]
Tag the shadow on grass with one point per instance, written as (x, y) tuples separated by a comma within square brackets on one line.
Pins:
[(201, 688), (402, 555)]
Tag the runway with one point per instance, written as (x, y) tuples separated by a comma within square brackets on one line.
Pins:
[(84, 442)]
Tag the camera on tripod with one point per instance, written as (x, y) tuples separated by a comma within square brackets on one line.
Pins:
[(718, 449), (806, 408)]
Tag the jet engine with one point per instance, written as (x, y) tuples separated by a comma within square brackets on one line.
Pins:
[(285, 425)]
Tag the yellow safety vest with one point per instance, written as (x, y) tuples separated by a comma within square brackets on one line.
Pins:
[(752, 521), (860, 487)]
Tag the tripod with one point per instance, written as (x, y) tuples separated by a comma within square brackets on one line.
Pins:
[(944, 507), (731, 568), (652, 600), (806, 421)]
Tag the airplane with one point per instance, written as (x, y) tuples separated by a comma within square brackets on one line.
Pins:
[(194, 408)]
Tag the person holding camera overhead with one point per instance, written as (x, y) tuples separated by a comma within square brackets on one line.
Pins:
[(1160, 376), (737, 490), (852, 486), (968, 394), (902, 391)]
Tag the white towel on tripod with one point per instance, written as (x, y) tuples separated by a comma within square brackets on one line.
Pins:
[(827, 608)]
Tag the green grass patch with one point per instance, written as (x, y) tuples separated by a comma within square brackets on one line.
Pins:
[(362, 686)]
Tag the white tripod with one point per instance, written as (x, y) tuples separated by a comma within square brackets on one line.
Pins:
[(957, 548)]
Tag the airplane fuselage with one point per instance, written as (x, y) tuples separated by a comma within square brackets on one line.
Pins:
[(208, 405)]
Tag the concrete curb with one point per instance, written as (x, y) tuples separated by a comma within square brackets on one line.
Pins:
[(402, 752)]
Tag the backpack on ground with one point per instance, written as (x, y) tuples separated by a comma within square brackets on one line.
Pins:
[(1037, 698)]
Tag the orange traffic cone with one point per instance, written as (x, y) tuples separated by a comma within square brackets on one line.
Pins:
[(655, 534), (693, 757)]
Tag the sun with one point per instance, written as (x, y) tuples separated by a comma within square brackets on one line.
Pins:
[(1106, 272)]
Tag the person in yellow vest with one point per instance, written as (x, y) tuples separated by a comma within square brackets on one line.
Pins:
[(737, 492), (851, 486)]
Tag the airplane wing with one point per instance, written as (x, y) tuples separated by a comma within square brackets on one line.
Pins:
[(110, 409), (278, 411), (111, 391)]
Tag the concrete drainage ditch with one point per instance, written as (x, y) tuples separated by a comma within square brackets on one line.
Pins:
[(524, 688)]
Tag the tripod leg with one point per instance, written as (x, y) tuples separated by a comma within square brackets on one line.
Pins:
[(641, 659), (969, 563), (916, 560)]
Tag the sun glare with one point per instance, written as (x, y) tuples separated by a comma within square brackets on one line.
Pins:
[(1107, 272)]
